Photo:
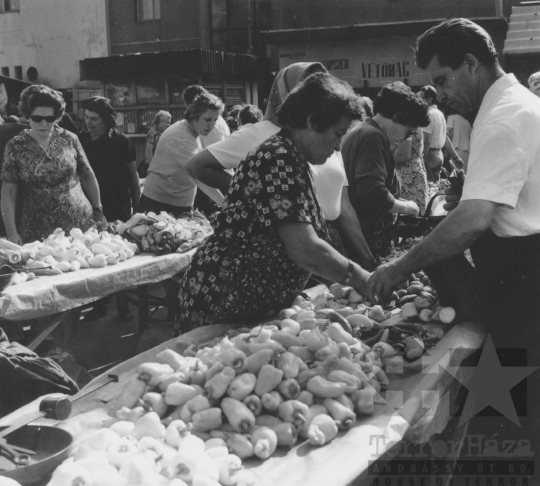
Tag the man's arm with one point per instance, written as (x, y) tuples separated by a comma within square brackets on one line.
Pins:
[(457, 232), (449, 146), (427, 141), (133, 184), (351, 232), (204, 167)]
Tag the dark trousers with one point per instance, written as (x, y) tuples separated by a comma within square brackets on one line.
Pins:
[(147, 204)]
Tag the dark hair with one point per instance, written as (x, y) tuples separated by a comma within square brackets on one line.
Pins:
[(102, 106), (41, 95), (397, 102), (189, 93), (232, 123), (429, 92), (250, 114), (451, 40), (322, 98), (367, 105), (200, 104), (235, 110)]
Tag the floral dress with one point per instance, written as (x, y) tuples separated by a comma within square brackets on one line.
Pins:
[(53, 196), (413, 174), (243, 270), (152, 138)]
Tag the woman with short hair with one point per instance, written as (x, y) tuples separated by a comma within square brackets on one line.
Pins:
[(48, 163), (162, 121), (272, 235), (167, 186)]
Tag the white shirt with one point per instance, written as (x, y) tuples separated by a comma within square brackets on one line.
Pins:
[(436, 127), (461, 132), (329, 178), (504, 162)]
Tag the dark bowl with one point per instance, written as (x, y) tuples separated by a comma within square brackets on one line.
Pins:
[(6, 274), (51, 446)]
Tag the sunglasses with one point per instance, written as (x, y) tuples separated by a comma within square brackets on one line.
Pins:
[(39, 119)]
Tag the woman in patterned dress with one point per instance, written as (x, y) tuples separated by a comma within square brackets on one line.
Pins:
[(162, 121), (46, 163), (271, 236), (411, 170)]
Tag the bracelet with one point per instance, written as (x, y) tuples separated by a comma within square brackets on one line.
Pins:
[(11, 234), (97, 209), (349, 275)]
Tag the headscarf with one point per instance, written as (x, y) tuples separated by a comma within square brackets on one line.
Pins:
[(102, 106), (285, 81)]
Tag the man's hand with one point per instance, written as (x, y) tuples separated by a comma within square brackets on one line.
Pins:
[(458, 162), (15, 238), (382, 282), (412, 208), (453, 193)]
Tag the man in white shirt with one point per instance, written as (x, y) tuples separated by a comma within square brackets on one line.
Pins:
[(435, 138), (498, 216)]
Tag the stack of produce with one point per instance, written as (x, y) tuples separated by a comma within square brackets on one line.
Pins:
[(163, 234)]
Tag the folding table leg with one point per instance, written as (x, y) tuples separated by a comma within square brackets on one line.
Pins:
[(142, 298)]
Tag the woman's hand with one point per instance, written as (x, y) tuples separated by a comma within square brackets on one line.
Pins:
[(411, 208), (99, 218), (15, 238)]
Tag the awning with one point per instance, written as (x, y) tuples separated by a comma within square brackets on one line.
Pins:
[(13, 86), (192, 62), (370, 31), (523, 35)]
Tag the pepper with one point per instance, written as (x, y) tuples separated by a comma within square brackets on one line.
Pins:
[(303, 353), (216, 368), (177, 377), (240, 445), (206, 420), (315, 340), (132, 391), (293, 411), (336, 332), (197, 374), (196, 404), (218, 384), (289, 364), (271, 401), (305, 397), (270, 344), (179, 393), (330, 349), (346, 401), (304, 376), (352, 368), (242, 386), (290, 326), (374, 339), (287, 433), (286, 339), (130, 414), (232, 357), (344, 417), (344, 351), (268, 378), (320, 387), (153, 373), (337, 318), (290, 389), (364, 400), (156, 403), (322, 430), (239, 416), (176, 431), (255, 362), (313, 411), (339, 376), (264, 441), (253, 402), (229, 467)]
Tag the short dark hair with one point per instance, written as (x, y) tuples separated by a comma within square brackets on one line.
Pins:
[(201, 103), (429, 92), (322, 98), (103, 108), (41, 95), (451, 40), (234, 110), (250, 114), (397, 102), (189, 93)]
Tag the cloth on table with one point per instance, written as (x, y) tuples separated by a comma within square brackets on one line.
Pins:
[(24, 376)]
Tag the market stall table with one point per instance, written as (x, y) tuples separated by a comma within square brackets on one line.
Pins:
[(59, 294), (417, 406)]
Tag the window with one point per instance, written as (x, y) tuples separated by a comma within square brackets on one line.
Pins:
[(18, 72), (148, 9), (5, 71), (9, 5)]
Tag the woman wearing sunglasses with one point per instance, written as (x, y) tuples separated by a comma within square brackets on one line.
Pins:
[(47, 163)]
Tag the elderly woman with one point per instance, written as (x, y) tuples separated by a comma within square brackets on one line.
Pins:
[(370, 166), (47, 163), (168, 187), (272, 235), (162, 121)]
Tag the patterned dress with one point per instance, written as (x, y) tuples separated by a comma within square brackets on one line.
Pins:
[(53, 196), (152, 138), (413, 174), (243, 270)]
